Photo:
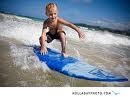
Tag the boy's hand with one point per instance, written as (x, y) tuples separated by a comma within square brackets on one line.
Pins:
[(44, 51), (81, 35)]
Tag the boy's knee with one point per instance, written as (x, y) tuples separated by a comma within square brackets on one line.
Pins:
[(62, 34)]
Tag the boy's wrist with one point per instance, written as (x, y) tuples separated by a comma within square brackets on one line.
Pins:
[(43, 47)]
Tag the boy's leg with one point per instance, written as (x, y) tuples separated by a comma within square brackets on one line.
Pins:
[(63, 41)]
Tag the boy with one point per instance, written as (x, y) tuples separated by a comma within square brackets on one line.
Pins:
[(52, 29)]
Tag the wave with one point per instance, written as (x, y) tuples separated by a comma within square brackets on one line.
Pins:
[(123, 31), (110, 51), (28, 32)]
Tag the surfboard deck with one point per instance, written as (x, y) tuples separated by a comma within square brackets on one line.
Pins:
[(75, 68)]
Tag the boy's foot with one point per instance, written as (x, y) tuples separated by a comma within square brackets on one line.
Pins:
[(65, 55)]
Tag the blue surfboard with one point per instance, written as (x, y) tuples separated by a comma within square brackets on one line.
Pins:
[(75, 68)]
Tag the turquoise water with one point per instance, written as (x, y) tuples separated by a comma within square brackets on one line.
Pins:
[(100, 48)]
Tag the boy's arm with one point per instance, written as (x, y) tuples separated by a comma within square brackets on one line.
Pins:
[(81, 34), (44, 39)]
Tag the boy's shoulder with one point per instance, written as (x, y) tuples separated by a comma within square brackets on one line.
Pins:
[(60, 19), (46, 20)]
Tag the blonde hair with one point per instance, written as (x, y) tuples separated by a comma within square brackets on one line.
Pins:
[(50, 6)]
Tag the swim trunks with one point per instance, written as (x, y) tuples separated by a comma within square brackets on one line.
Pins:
[(51, 37)]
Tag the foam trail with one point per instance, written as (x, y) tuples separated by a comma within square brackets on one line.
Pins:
[(25, 58), (77, 53)]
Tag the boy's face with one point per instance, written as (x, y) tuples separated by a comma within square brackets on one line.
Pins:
[(52, 13)]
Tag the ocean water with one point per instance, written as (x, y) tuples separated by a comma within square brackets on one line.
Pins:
[(20, 67)]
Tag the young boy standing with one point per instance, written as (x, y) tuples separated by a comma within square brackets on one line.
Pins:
[(52, 29)]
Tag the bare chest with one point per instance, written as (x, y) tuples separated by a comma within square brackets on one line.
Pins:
[(53, 27)]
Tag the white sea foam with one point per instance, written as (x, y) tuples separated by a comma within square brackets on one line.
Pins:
[(28, 31), (24, 57), (101, 37)]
